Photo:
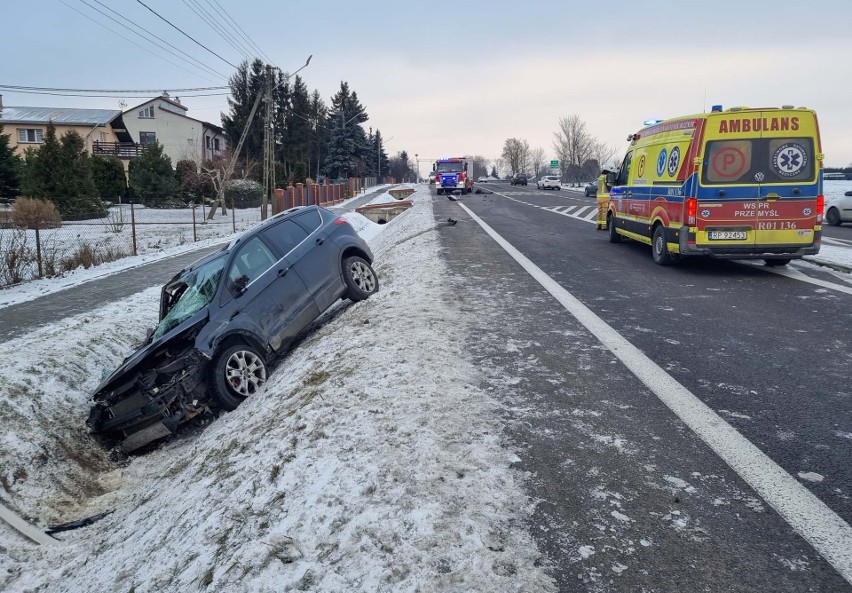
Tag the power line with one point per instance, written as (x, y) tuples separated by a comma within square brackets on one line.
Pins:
[(42, 88), (217, 28), (239, 29), (107, 96), (161, 39), (155, 13), (132, 42), (203, 66)]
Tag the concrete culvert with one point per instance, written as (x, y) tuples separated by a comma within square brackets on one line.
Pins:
[(382, 221)]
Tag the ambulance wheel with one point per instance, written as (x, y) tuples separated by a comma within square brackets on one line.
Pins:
[(659, 249), (614, 237), (779, 261)]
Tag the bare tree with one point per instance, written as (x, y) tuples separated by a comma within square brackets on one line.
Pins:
[(497, 166), (573, 145), (214, 172), (537, 160), (516, 152)]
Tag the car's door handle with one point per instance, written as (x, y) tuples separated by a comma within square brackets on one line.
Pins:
[(235, 313), (320, 240), (283, 272)]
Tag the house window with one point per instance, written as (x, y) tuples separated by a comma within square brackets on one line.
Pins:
[(102, 136), (146, 138), (215, 144), (207, 140), (147, 113), (31, 136)]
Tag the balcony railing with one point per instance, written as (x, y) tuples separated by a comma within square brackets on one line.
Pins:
[(123, 150)]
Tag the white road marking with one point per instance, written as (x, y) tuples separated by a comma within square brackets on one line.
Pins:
[(811, 518), (834, 241), (800, 276)]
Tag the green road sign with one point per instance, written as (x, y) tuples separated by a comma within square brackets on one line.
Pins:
[(554, 164)]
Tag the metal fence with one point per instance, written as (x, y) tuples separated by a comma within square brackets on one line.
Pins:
[(133, 229)]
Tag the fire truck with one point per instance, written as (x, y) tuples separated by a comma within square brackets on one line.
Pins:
[(451, 174)]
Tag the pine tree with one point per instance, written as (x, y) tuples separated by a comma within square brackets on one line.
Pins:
[(10, 168), (110, 181), (152, 180), (245, 84), (318, 113), (348, 149)]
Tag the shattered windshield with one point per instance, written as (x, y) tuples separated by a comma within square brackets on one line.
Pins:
[(193, 291)]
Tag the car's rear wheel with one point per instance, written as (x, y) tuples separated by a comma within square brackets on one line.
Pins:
[(238, 373), (360, 278), (832, 217), (659, 249)]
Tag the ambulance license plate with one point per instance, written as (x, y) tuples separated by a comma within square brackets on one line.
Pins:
[(726, 235)]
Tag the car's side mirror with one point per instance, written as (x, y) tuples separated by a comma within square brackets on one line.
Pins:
[(611, 177)]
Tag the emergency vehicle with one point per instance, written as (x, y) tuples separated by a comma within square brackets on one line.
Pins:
[(451, 174), (737, 184)]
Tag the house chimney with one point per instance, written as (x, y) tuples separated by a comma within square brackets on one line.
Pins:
[(1, 101)]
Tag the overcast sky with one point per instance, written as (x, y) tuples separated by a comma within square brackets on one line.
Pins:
[(452, 78)]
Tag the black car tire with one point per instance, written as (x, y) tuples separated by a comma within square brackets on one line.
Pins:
[(360, 278), (659, 249), (832, 217), (778, 261), (237, 374), (614, 237)]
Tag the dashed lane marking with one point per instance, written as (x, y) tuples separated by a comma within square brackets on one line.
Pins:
[(811, 518)]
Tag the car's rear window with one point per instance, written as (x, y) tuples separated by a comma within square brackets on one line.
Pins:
[(758, 160)]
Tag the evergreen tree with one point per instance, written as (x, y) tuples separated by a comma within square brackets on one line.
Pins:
[(109, 178), (347, 149), (10, 168), (245, 84), (318, 114), (282, 98), (42, 166), (379, 157), (298, 123), (152, 180)]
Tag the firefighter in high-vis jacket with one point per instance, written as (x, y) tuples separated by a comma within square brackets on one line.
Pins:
[(603, 200)]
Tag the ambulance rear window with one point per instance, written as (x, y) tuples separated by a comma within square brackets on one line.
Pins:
[(759, 160)]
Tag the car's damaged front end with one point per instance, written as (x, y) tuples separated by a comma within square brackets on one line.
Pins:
[(163, 383)]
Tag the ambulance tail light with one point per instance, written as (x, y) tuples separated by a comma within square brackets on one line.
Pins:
[(691, 209), (820, 208)]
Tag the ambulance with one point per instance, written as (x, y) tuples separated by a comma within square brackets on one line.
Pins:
[(739, 183)]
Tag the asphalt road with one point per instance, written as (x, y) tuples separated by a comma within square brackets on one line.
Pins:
[(628, 497)]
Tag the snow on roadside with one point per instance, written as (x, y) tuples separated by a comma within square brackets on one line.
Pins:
[(367, 464)]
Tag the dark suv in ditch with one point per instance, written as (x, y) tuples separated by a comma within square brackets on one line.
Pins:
[(223, 317), (519, 179)]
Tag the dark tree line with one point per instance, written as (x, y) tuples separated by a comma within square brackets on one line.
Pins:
[(312, 139)]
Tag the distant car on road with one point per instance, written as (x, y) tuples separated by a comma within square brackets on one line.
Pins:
[(225, 316), (549, 182), (519, 179), (482, 180), (591, 188), (839, 210)]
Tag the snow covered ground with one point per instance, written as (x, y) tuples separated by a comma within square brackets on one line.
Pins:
[(366, 464)]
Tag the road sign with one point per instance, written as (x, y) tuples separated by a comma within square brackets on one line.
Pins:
[(554, 164)]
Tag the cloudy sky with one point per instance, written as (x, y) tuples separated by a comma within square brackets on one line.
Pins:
[(447, 78)]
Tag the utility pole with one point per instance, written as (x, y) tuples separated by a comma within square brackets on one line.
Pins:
[(268, 147)]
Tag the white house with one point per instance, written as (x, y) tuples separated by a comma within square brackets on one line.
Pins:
[(182, 137)]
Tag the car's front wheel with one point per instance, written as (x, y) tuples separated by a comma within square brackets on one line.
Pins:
[(238, 373), (360, 278)]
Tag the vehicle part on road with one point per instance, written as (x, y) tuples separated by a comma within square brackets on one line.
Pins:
[(452, 221), (224, 316), (29, 531), (360, 279), (78, 523)]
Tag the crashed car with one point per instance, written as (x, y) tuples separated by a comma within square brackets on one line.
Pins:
[(225, 316)]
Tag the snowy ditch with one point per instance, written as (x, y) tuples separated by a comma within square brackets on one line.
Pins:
[(366, 464)]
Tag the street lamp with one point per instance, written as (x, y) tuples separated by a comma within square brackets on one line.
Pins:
[(417, 172)]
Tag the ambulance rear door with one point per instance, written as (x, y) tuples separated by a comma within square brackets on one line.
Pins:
[(786, 176)]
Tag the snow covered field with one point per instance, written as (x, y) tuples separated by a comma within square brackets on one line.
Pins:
[(309, 486)]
